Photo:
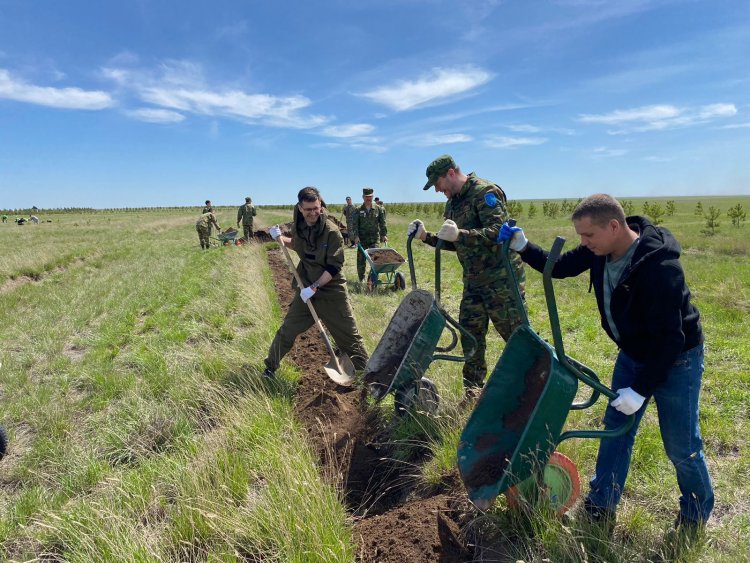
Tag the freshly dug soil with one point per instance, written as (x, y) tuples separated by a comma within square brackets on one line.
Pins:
[(393, 523), (382, 256)]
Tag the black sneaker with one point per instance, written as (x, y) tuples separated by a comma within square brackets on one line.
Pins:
[(598, 514), (268, 373)]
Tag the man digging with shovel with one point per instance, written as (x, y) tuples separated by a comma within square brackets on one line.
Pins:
[(319, 277)]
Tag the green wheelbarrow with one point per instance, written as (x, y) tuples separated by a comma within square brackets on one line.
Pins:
[(508, 443), (383, 262), (408, 346)]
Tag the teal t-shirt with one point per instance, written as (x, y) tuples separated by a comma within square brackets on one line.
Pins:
[(613, 271)]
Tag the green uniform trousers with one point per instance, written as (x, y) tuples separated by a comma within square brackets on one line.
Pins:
[(361, 260), (479, 305), (334, 310), (247, 231), (204, 234)]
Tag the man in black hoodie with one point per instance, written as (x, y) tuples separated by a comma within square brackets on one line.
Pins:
[(320, 247), (645, 309)]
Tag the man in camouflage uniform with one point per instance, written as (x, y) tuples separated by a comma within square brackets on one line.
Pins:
[(369, 228), (320, 247), (474, 214), (245, 214), (203, 226), (208, 209), (348, 212)]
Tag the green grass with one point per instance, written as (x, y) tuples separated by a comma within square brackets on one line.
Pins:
[(139, 429)]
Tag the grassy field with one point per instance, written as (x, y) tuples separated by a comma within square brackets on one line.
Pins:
[(139, 430)]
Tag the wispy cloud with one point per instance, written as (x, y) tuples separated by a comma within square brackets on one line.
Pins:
[(440, 84), (658, 117), (64, 98), (431, 139), (179, 86), (502, 142), (736, 126), (349, 130), (607, 152), (153, 115)]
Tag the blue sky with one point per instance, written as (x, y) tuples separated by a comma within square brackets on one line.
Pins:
[(155, 103)]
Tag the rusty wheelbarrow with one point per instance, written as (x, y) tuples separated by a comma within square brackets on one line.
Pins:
[(508, 444)]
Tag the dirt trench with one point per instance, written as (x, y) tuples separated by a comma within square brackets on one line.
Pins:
[(393, 521)]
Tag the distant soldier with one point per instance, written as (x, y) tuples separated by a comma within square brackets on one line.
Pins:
[(369, 228), (208, 209), (348, 212), (203, 226), (5, 218), (245, 214), (34, 219)]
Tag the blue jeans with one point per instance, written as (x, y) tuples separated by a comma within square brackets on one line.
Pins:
[(677, 405)]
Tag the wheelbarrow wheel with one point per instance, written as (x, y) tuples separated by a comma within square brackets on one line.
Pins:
[(372, 281), (560, 488), (422, 396), (399, 281), (3, 442)]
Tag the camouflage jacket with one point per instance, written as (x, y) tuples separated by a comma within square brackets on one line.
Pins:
[(369, 225), (348, 212), (208, 210), (206, 219), (320, 249), (479, 211), (246, 213)]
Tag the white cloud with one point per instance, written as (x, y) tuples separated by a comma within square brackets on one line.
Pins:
[(153, 115), (604, 151), (502, 142), (659, 117), (350, 130), (63, 98), (431, 140), (737, 125), (522, 128), (439, 84), (180, 86)]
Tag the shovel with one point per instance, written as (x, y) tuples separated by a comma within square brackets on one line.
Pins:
[(340, 370)]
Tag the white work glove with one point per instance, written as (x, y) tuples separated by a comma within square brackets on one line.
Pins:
[(275, 232), (306, 293), (449, 231), (416, 227), (627, 401), (518, 240)]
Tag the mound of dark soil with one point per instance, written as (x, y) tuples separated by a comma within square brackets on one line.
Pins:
[(394, 524)]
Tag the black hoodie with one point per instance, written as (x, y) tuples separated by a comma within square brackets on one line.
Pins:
[(650, 305)]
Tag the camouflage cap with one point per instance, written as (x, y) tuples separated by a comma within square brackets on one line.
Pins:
[(437, 168), (367, 191), (248, 199)]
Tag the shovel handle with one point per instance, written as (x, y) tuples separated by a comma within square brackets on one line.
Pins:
[(312, 309)]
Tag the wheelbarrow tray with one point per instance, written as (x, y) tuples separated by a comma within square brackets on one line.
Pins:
[(227, 236), (518, 418), (383, 260), (406, 348)]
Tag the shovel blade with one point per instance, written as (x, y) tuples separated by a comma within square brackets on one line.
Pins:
[(346, 375)]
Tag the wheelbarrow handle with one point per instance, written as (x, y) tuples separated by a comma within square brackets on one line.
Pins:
[(410, 257), (468, 351)]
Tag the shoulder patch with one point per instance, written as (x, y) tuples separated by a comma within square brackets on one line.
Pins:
[(490, 199)]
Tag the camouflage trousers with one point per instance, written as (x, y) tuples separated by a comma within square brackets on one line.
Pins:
[(361, 260), (204, 234), (479, 305), (247, 231), (333, 308)]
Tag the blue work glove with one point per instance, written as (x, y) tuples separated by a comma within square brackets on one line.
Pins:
[(628, 401), (518, 240)]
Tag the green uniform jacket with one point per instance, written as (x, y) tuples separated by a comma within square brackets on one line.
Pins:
[(246, 213), (369, 225), (479, 211), (320, 248), (348, 212), (205, 221)]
